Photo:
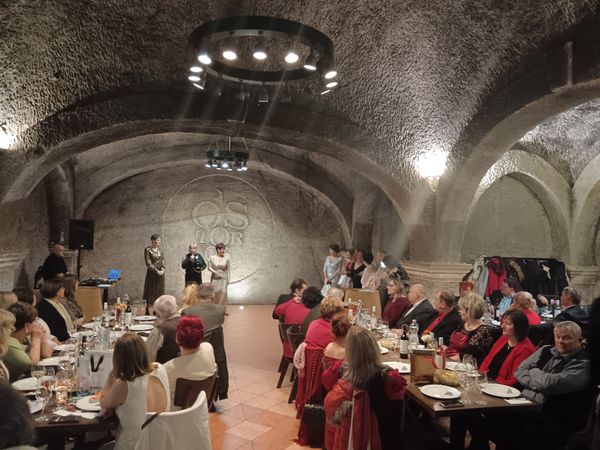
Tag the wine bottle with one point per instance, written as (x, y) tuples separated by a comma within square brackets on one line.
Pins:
[(404, 343)]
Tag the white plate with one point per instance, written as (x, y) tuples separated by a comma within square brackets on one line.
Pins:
[(145, 318), (440, 391), (54, 361), (26, 384), (86, 405), (88, 326), (141, 327), (64, 347), (454, 365), (401, 367), (500, 390), (384, 350), (35, 407)]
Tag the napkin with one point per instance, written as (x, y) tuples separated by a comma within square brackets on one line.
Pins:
[(85, 415), (518, 401)]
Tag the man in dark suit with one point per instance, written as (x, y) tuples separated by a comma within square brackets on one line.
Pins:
[(570, 302), (421, 309), (448, 319)]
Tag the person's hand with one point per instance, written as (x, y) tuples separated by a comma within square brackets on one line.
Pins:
[(79, 322), (160, 272), (36, 331), (543, 300)]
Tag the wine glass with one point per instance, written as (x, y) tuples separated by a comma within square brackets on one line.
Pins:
[(61, 388), (44, 397), (481, 383), (64, 360), (469, 363), (466, 382), (37, 372)]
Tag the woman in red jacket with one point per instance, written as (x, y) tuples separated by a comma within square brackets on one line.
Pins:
[(510, 350)]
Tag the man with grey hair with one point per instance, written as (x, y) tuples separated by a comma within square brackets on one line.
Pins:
[(420, 310), (558, 379), (570, 302), (161, 341)]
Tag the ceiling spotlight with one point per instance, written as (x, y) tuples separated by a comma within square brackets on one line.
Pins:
[(291, 58), (330, 74), (198, 81), (229, 55), (311, 62), (204, 58), (214, 164), (195, 69), (208, 164), (194, 78), (260, 55), (326, 91), (331, 84), (225, 165)]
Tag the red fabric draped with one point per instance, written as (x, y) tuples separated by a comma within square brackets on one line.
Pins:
[(310, 383)]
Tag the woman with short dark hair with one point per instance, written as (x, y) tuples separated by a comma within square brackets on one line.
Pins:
[(154, 283), (52, 311)]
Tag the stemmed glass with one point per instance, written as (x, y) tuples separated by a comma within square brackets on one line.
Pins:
[(37, 372), (43, 396)]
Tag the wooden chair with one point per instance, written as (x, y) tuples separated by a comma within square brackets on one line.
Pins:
[(187, 391), (287, 358), (295, 338)]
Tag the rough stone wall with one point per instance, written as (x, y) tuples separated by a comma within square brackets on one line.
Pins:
[(24, 228), (275, 229), (508, 221)]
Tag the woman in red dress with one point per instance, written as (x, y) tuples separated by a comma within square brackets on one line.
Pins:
[(397, 304)]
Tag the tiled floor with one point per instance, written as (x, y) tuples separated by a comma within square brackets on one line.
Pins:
[(256, 415)]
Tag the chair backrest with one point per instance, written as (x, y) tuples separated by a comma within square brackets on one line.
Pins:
[(368, 297), (90, 299), (183, 429), (187, 391), (295, 336)]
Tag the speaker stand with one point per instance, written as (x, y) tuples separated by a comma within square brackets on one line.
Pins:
[(79, 264)]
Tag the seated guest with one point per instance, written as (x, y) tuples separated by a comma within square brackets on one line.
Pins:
[(7, 325), (161, 342), (319, 334), (336, 350), (507, 289), (18, 431), (315, 311), (52, 311), (465, 287), (69, 301), (570, 303), (202, 306), (448, 319), (296, 289), (295, 310), (397, 303), (189, 295), (6, 299), (473, 337), (420, 309), (27, 295), (367, 399), (523, 301), (197, 360), (25, 342), (130, 390), (558, 379), (510, 350)]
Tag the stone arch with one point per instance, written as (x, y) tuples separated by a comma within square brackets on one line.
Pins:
[(586, 214)]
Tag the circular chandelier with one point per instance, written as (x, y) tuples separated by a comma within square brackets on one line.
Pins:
[(259, 52), (229, 158)]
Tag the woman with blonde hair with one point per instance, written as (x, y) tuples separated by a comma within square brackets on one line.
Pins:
[(319, 334), (189, 295), (473, 337), (7, 298), (7, 326), (364, 405), (202, 306), (130, 391)]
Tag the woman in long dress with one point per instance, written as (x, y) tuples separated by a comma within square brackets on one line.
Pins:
[(218, 265), (154, 285)]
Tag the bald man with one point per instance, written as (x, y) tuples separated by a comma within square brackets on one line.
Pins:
[(421, 309)]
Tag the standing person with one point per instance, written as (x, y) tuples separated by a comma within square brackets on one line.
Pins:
[(154, 284), (193, 264), (219, 267), (332, 270), (55, 264), (357, 269)]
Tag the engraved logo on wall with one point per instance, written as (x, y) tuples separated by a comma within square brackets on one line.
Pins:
[(221, 208)]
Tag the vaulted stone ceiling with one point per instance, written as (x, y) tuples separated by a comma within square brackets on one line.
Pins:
[(414, 73)]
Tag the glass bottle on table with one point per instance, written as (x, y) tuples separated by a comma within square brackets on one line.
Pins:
[(413, 336), (128, 310), (404, 343), (440, 357), (373, 321)]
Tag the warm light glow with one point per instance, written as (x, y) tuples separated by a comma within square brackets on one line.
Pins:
[(195, 69), (291, 58), (260, 55), (325, 91), (229, 55), (432, 164), (194, 78), (309, 66), (331, 74), (6, 139), (331, 85), (199, 86), (204, 58)]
